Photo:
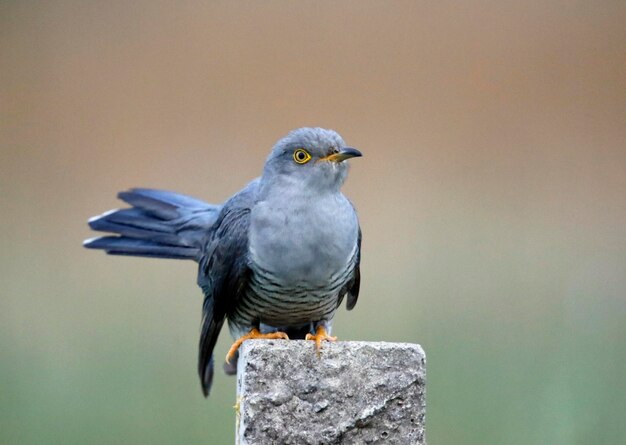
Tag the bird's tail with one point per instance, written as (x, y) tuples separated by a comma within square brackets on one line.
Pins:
[(159, 224)]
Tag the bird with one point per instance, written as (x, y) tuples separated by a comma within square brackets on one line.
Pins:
[(275, 260)]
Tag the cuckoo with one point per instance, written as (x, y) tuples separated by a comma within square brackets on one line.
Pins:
[(276, 259)]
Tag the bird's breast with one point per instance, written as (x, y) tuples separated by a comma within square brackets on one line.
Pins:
[(308, 241)]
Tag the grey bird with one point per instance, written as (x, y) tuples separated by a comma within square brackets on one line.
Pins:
[(276, 259)]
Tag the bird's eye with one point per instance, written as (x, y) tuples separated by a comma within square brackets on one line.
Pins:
[(301, 156)]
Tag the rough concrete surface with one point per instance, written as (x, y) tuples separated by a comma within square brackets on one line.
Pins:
[(354, 393)]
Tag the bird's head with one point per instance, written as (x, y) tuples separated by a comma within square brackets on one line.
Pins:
[(309, 157)]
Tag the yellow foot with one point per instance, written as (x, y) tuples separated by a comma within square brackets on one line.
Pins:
[(253, 334), (320, 335)]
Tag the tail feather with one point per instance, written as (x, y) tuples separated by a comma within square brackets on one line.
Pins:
[(122, 245), (160, 224), (161, 203), (134, 217), (141, 227)]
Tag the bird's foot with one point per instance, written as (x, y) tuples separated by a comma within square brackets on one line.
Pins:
[(320, 335), (254, 334)]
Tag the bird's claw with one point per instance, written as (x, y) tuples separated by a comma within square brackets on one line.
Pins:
[(319, 336), (254, 334)]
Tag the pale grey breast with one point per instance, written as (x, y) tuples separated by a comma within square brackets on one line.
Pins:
[(301, 255)]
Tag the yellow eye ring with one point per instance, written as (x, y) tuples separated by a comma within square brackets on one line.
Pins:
[(301, 156)]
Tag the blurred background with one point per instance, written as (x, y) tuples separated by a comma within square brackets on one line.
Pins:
[(491, 196)]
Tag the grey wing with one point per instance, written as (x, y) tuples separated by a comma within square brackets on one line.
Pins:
[(223, 275), (355, 284)]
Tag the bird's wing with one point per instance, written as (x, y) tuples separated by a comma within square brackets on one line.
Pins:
[(223, 274), (355, 284)]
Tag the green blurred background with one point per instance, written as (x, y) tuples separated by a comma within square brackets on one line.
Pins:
[(491, 196)]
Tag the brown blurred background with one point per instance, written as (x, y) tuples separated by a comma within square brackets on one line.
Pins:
[(491, 196)]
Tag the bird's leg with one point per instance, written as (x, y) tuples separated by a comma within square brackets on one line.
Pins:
[(320, 335), (252, 335)]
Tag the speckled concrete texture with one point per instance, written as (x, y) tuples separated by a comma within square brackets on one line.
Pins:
[(353, 393)]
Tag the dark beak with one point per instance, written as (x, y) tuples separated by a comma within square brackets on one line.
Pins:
[(343, 154)]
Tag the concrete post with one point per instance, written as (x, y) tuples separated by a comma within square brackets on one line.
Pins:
[(354, 393)]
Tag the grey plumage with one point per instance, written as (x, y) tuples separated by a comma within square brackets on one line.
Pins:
[(281, 254), (160, 224)]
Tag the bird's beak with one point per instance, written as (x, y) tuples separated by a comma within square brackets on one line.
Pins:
[(342, 155)]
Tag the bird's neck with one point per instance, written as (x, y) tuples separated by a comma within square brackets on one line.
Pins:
[(284, 186)]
